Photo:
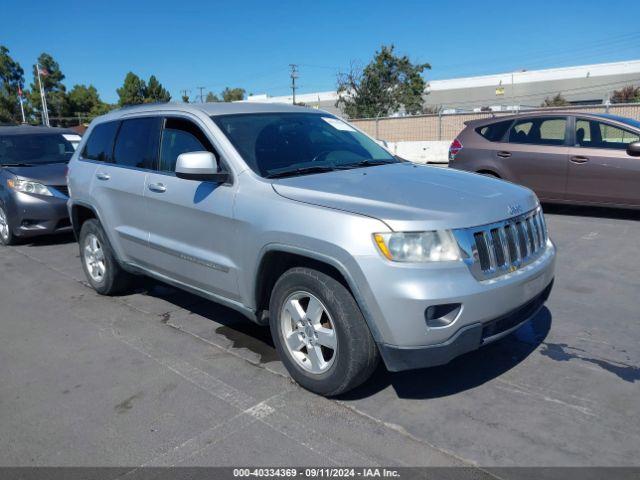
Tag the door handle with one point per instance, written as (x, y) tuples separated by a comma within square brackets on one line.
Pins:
[(579, 159), (103, 176), (504, 154), (157, 187)]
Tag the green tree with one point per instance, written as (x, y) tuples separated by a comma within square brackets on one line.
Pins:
[(628, 94), (11, 79), (557, 101), (185, 98), (55, 91), (212, 97), (83, 99), (232, 94), (133, 90), (155, 92), (101, 109), (388, 84)]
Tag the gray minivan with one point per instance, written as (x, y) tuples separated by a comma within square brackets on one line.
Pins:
[(300, 221), (33, 187)]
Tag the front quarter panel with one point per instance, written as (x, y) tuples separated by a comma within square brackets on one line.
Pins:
[(266, 222)]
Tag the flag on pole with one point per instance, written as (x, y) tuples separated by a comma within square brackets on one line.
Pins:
[(24, 120), (45, 112)]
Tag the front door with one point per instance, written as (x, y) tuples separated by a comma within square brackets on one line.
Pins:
[(536, 155), (191, 227), (600, 170)]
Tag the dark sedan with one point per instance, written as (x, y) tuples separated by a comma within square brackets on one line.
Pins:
[(565, 157), (33, 187)]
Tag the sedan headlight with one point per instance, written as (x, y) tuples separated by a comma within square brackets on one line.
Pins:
[(436, 246), (26, 186)]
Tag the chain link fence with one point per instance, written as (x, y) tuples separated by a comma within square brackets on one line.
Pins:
[(445, 127)]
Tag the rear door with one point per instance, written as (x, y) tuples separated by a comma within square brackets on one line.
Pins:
[(191, 226), (118, 187), (536, 155), (600, 171)]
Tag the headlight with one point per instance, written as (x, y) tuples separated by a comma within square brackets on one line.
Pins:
[(26, 186), (434, 246)]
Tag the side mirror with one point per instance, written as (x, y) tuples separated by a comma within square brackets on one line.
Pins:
[(199, 166), (633, 149)]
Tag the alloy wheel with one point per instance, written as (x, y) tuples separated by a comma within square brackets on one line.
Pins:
[(94, 258), (308, 331), (4, 226)]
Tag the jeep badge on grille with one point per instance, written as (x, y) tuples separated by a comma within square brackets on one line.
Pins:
[(514, 209)]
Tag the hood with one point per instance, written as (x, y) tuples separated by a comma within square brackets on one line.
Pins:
[(48, 174), (412, 197)]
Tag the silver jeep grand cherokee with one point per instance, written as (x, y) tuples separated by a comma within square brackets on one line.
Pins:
[(295, 218)]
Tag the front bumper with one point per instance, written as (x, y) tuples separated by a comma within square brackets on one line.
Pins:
[(396, 298), (465, 340), (33, 215)]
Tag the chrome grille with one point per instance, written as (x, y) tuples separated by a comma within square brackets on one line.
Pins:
[(503, 247)]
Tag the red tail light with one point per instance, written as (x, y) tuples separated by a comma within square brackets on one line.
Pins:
[(455, 147)]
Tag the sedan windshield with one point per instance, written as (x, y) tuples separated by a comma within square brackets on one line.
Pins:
[(287, 144), (34, 149)]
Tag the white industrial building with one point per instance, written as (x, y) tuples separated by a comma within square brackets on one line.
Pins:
[(580, 85), (322, 100)]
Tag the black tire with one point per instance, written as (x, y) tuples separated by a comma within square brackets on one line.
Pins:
[(356, 355), (8, 239), (115, 280)]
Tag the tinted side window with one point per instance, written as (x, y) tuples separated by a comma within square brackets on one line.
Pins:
[(494, 132), (539, 131), (99, 145), (593, 134), (137, 143), (180, 136)]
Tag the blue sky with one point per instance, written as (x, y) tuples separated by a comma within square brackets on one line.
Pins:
[(251, 43)]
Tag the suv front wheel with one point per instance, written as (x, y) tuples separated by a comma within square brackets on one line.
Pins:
[(98, 261), (320, 333)]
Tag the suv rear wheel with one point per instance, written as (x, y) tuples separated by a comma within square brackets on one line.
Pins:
[(320, 333), (98, 261)]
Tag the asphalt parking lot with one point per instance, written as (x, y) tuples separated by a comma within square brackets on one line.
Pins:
[(161, 377)]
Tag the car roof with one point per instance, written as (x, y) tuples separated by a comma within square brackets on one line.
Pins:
[(34, 130), (212, 109)]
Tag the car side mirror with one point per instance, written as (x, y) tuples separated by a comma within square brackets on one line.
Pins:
[(633, 149), (200, 166)]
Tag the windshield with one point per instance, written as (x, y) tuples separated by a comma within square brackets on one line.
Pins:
[(279, 144), (34, 149)]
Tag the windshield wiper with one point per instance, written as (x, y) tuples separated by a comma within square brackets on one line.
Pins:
[(300, 171), (16, 164), (366, 163)]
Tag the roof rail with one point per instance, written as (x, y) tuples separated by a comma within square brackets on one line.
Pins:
[(132, 105)]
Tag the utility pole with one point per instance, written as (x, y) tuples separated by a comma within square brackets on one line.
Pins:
[(294, 75), (185, 93), (201, 96)]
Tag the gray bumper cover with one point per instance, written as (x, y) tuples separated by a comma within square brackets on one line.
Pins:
[(467, 339)]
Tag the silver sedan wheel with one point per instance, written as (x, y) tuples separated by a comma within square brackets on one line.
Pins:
[(94, 258), (308, 332), (4, 225)]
